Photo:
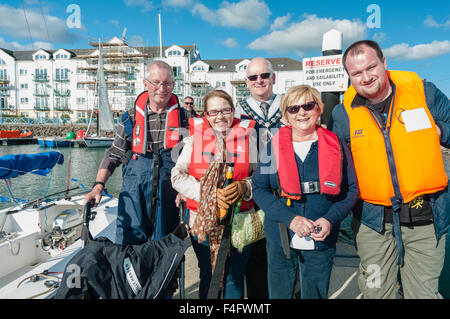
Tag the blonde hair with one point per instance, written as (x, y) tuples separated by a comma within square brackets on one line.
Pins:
[(295, 93)]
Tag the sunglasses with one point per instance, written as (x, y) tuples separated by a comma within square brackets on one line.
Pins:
[(215, 113), (263, 76), (293, 109), (189, 103)]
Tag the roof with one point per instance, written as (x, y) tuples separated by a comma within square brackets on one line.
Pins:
[(278, 64), (27, 55)]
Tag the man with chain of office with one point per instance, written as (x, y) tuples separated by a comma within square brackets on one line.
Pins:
[(263, 106)]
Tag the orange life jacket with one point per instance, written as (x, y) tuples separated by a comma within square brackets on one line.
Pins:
[(330, 163), (172, 127), (394, 163), (204, 148)]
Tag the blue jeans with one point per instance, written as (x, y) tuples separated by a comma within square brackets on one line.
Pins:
[(234, 270), (135, 203), (315, 272)]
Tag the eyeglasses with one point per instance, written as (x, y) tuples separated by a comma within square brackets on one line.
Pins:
[(215, 113), (157, 85), (263, 76), (189, 103), (293, 109)]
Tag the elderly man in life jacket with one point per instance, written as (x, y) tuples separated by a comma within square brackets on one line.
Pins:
[(395, 124), (144, 140)]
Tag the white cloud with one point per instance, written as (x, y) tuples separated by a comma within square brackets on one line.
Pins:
[(431, 23), (144, 4), (136, 41), (177, 3), (16, 46), (14, 24), (231, 43), (306, 36), (380, 37), (280, 22), (115, 23), (418, 52), (247, 14)]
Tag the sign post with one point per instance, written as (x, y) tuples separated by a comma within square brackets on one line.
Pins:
[(327, 73)]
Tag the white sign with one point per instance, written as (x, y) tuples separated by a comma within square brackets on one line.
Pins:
[(326, 73)]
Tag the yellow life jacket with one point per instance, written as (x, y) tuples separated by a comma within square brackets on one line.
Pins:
[(394, 163)]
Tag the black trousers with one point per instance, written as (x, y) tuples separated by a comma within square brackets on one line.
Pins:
[(256, 272)]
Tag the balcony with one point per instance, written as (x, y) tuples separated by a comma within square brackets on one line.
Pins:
[(62, 79), (130, 77), (61, 92), (41, 108), (242, 92), (41, 93), (41, 78), (62, 108)]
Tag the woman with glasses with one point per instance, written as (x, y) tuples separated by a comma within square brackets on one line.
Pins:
[(306, 185), (215, 141)]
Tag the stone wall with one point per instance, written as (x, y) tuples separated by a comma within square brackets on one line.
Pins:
[(50, 130)]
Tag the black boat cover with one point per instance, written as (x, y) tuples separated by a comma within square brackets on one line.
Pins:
[(114, 271)]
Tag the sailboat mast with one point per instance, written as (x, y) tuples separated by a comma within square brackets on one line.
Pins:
[(100, 65)]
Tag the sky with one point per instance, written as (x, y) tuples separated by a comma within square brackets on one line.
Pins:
[(414, 35)]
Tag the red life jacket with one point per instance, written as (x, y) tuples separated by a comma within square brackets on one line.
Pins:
[(172, 127), (330, 163), (204, 147)]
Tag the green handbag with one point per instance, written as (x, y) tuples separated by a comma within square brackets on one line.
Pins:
[(247, 228)]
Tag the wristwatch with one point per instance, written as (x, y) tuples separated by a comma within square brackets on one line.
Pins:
[(98, 183)]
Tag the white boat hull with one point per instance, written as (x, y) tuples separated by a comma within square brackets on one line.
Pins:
[(98, 141), (22, 254)]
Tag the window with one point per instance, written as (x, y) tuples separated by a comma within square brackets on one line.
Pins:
[(288, 84), (24, 86), (242, 68), (174, 53), (41, 74), (62, 74), (199, 68), (24, 100), (23, 72), (80, 85), (2, 62), (81, 100), (61, 56), (3, 75), (220, 84), (81, 115), (222, 67)]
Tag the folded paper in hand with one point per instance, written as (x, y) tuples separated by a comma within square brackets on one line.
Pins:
[(303, 243)]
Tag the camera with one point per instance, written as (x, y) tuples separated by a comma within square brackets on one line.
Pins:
[(317, 229)]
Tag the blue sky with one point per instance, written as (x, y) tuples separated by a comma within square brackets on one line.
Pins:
[(415, 35)]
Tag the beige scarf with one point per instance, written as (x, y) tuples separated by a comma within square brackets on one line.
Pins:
[(206, 221)]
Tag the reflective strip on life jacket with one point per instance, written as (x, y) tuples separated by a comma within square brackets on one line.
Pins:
[(394, 163), (330, 163)]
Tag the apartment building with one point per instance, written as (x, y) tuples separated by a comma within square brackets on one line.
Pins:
[(63, 83)]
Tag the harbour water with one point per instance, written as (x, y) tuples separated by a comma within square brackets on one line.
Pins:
[(84, 164)]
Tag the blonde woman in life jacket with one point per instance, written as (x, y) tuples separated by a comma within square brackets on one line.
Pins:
[(215, 140), (306, 184)]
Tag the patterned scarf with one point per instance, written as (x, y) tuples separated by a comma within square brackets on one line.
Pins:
[(206, 221)]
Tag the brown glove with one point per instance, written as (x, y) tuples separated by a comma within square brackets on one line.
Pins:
[(228, 195)]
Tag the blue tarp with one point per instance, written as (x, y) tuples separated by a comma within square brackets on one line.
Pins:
[(15, 165)]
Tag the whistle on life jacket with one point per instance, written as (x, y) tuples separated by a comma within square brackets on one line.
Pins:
[(288, 202)]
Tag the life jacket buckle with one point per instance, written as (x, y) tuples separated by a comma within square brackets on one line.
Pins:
[(310, 187)]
